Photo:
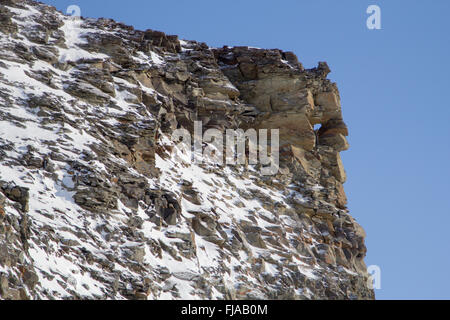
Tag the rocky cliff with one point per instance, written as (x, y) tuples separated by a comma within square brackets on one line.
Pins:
[(95, 202)]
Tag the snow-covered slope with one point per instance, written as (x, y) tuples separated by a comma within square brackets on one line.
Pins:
[(96, 202)]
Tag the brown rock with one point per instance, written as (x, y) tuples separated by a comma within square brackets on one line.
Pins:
[(334, 126), (331, 106), (336, 141), (4, 286), (338, 169)]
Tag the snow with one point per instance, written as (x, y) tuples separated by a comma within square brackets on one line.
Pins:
[(223, 193), (156, 59), (73, 33)]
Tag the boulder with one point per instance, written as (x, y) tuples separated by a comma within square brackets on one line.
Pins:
[(17, 194), (336, 141)]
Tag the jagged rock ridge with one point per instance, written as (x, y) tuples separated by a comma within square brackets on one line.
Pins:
[(95, 204)]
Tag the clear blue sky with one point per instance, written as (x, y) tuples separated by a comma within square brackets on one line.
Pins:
[(395, 92)]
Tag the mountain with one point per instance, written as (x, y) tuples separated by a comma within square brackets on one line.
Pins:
[(98, 201)]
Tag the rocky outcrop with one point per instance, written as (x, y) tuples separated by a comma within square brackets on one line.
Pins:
[(96, 201)]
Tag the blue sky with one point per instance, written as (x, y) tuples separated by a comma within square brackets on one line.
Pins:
[(394, 86)]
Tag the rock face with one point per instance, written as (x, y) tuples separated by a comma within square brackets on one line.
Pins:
[(95, 202)]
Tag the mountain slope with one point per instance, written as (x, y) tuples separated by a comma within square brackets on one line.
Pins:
[(97, 202)]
